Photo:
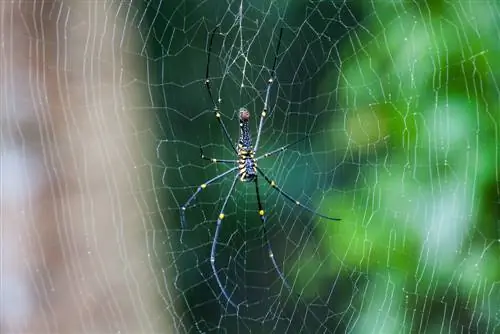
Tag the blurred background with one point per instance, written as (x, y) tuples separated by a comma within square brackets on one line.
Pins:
[(400, 103)]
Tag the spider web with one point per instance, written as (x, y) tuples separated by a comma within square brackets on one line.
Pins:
[(400, 101)]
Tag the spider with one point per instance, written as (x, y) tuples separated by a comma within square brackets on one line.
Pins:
[(245, 169)]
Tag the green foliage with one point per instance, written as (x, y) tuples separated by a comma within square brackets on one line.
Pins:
[(421, 96)]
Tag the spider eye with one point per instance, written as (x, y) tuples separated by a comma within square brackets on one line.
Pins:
[(244, 114)]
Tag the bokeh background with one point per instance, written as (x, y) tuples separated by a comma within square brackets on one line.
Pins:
[(73, 248)]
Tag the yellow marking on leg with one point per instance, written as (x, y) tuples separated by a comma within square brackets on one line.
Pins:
[(261, 212), (297, 202), (214, 160), (221, 216), (273, 184), (263, 114), (217, 115), (203, 186)]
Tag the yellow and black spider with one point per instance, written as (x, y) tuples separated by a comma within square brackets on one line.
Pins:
[(245, 169)]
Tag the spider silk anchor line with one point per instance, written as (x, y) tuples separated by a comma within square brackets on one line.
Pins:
[(245, 169)]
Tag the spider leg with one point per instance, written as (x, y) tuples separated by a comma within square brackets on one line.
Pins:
[(200, 188), (290, 198), (268, 90), (216, 160), (209, 89), (266, 237), (214, 243), (282, 148)]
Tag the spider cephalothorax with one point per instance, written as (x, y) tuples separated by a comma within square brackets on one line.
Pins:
[(245, 169), (244, 115)]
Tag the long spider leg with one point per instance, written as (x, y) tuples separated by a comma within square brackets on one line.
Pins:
[(214, 243), (282, 148), (268, 90), (262, 216), (200, 188), (207, 81), (216, 160), (290, 198), (208, 86)]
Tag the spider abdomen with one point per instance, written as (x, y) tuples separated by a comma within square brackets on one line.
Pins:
[(246, 164)]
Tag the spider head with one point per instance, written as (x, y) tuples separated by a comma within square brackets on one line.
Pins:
[(244, 115)]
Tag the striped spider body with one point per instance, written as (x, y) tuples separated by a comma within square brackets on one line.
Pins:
[(246, 159)]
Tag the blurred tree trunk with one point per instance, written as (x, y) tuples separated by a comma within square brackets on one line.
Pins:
[(73, 231)]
